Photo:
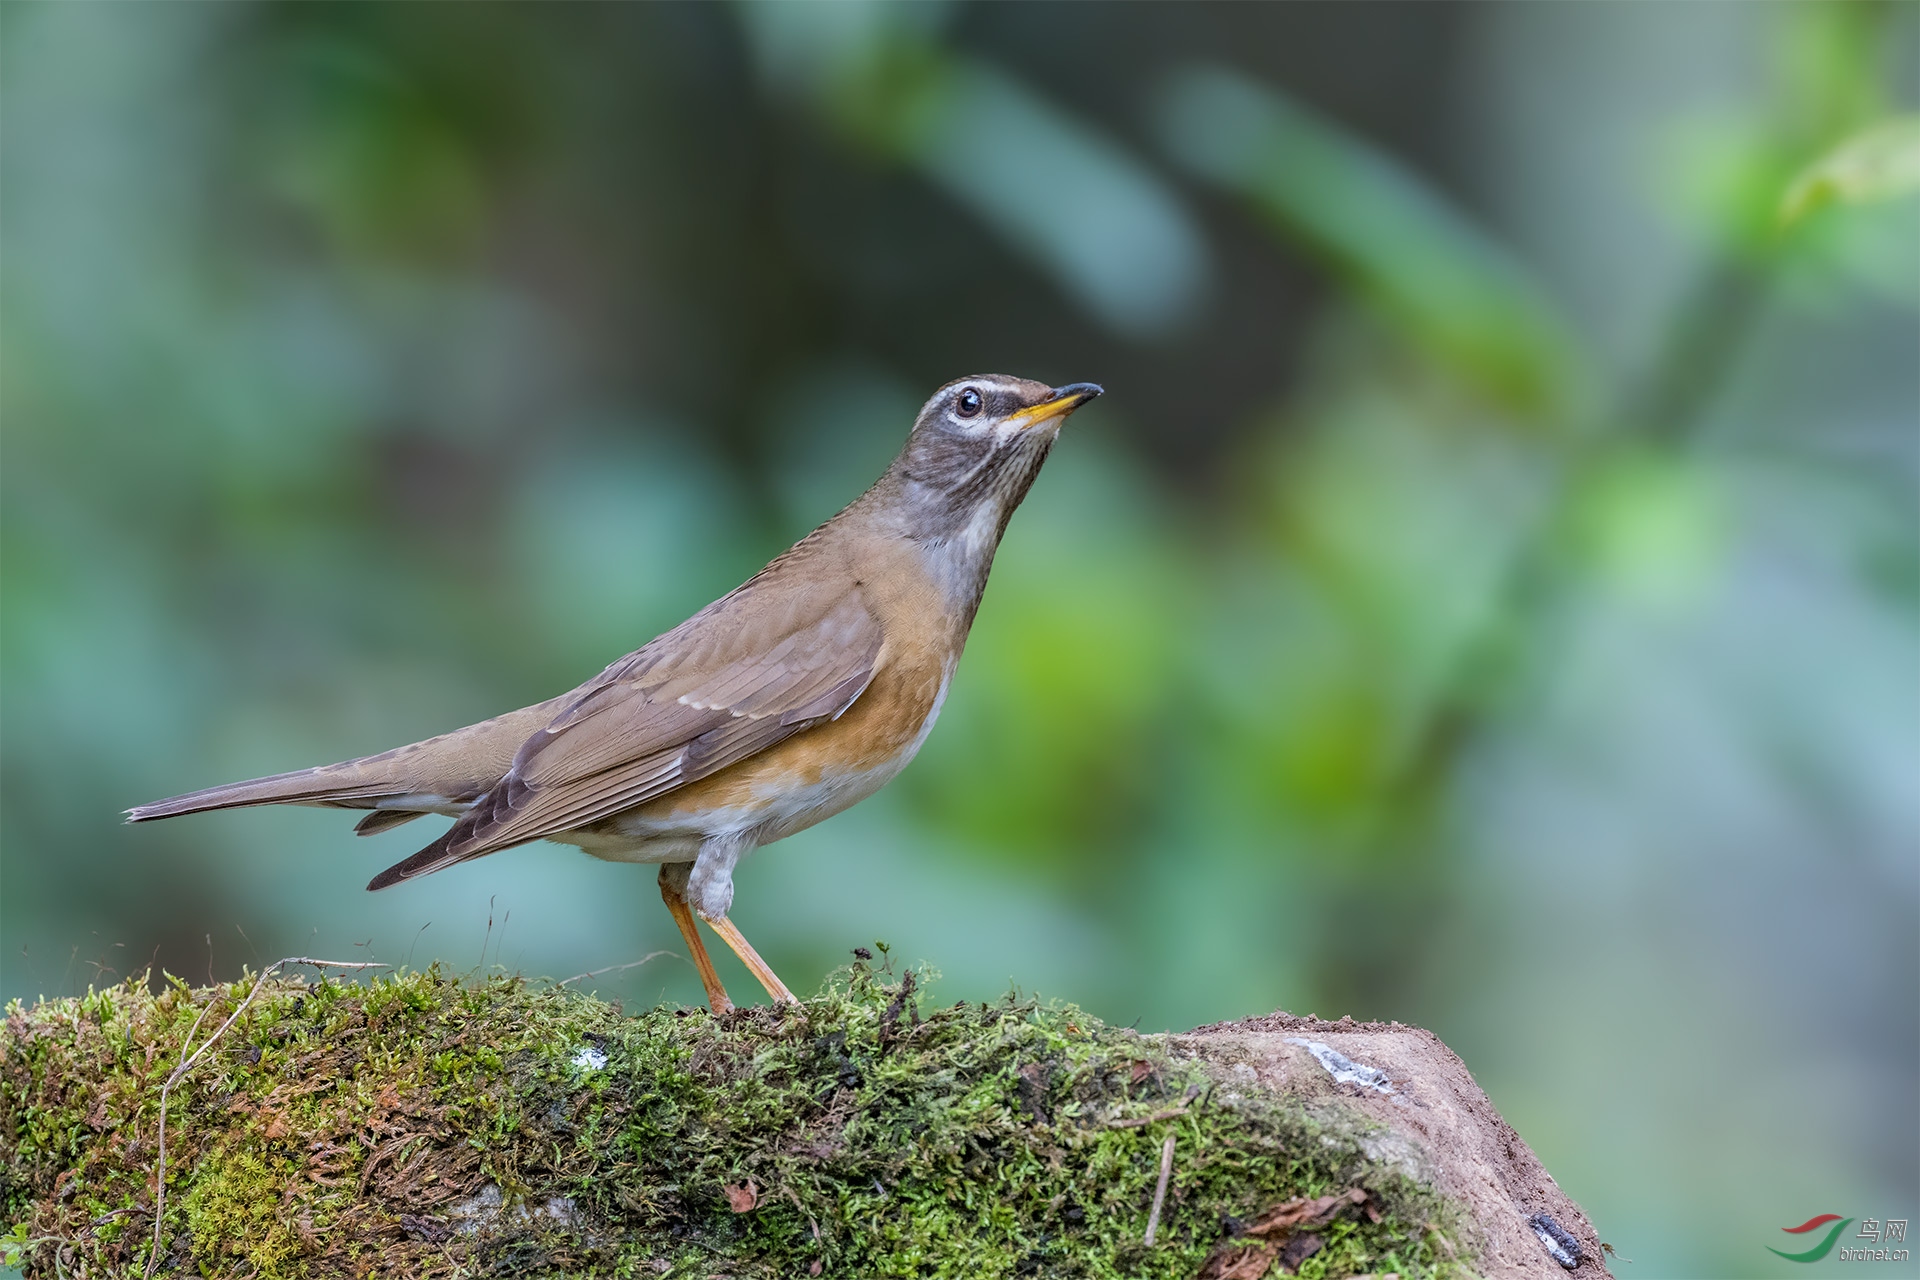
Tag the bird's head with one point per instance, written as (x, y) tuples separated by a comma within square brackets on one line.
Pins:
[(975, 450)]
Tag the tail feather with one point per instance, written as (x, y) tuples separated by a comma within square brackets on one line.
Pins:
[(383, 820), (302, 786), (455, 766), (437, 775)]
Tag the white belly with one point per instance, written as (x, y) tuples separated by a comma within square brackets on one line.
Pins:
[(630, 837)]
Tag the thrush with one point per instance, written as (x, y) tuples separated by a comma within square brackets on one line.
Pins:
[(796, 695)]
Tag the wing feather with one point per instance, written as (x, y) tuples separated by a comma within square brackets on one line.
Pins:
[(727, 684)]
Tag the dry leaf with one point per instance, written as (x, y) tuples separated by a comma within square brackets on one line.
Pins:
[(1298, 1250), (1274, 1240), (743, 1198), (1233, 1263), (1304, 1213)]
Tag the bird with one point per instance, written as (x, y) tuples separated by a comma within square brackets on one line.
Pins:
[(791, 698)]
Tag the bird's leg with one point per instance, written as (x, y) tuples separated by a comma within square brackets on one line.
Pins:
[(709, 889), (760, 969), (673, 879)]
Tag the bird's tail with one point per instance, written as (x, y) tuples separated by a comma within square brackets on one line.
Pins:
[(338, 784), (354, 784), (443, 773)]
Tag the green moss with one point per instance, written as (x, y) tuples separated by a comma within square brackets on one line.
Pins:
[(235, 1201), (418, 1125)]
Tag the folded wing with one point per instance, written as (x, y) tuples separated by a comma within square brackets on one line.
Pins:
[(767, 662)]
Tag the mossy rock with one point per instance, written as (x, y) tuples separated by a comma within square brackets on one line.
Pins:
[(417, 1126)]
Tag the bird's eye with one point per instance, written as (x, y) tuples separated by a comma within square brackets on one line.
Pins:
[(968, 403)]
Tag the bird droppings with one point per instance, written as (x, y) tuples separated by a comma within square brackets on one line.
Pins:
[(588, 1058), (1344, 1069), (1558, 1240), (419, 1126)]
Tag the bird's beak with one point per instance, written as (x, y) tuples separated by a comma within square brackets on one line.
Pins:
[(1062, 401)]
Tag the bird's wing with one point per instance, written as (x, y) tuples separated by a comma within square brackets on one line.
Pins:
[(756, 667)]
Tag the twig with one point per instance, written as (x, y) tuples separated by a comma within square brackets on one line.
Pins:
[(416, 940), (1171, 1113), (1160, 1192), (620, 968), (186, 1064)]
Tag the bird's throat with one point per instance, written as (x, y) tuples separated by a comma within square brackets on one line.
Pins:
[(959, 553)]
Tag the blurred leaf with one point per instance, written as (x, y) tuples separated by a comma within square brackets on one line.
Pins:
[(1721, 173), (350, 140), (1825, 68), (1741, 171), (1065, 196), (598, 545), (835, 427), (1384, 521), (1382, 229), (1070, 199), (1653, 524), (809, 47), (1875, 164)]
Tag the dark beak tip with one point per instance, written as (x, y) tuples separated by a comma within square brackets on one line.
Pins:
[(1083, 391)]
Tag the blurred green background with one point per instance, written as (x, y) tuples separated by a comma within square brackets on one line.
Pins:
[(1487, 598)]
